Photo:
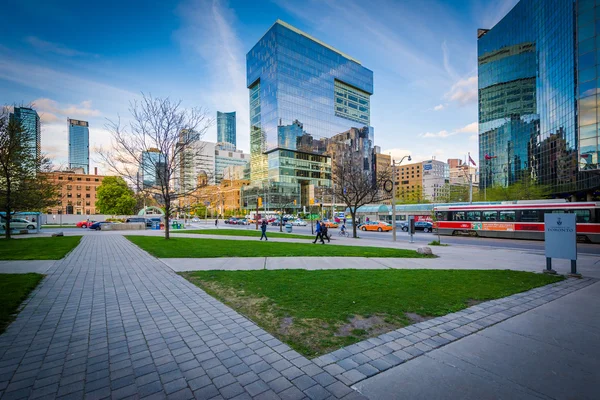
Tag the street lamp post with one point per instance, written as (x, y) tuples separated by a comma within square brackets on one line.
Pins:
[(394, 194)]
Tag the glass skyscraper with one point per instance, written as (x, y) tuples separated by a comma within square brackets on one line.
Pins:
[(303, 93), (151, 169), (226, 128), (30, 121), (79, 144), (537, 96)]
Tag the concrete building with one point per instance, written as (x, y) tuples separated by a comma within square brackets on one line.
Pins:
[(77, 191), (436, 177), (409, 183), (461, 173)]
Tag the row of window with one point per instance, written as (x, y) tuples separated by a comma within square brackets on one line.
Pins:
[(70, 178), (583, 216), (70, 195)]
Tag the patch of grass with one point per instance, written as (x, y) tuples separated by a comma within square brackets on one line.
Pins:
[(212, 248), (14, 288), (318, 311), (436, 243), (40, 248), (250, 232)]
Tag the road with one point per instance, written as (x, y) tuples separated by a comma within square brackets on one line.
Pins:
[(419, 237)]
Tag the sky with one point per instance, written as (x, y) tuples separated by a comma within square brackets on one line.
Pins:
[(87, 61)]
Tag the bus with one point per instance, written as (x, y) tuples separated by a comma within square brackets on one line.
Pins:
[(516, 220)]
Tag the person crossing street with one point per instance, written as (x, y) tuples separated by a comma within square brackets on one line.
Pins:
[(263, 228), (319, 233)]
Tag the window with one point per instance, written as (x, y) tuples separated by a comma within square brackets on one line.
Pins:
[(459, 216), (96, 180), (78, 179), (87, 195), (473, 216), (69, 187), (530, 216), (441, 215), (507, 216), (87, 179), (490, 215), (70, 178), (60, 178), (583, 216), (88, 188)]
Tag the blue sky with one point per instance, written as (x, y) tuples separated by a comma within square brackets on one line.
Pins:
[(88, 62)]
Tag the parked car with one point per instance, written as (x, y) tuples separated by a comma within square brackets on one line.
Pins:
[(378, 226), (18, 223), (242, 221), (136, 219), (151, 221), (275, 222), (85, 224), (98, 225), (298, 222), (195, 220), (420, 226)]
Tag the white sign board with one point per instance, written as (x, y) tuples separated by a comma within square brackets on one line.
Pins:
[(561, 236)]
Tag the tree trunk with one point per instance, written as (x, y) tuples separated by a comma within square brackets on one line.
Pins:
[(7, 209), (352, 214), (167, 216), (281, 221)]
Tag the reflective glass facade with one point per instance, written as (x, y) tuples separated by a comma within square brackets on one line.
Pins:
[(30, 121), (528, 98), (153, 163), (302, 94), (226, 128), (79, 144)]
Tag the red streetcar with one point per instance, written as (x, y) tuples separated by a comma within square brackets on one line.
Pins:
[(516, 220)]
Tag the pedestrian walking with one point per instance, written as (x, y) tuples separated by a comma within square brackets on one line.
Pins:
[(319, 233), (325, 233), (217, 223), (263, 228)]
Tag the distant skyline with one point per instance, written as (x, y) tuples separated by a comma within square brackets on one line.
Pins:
[(89, 62)]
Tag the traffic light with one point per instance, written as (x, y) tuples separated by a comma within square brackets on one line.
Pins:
[(312, 202), (260, 201)]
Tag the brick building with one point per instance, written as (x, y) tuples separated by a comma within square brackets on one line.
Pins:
[(77, 191)]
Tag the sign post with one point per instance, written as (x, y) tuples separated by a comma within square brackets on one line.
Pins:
[(411, 227), (560, 240)]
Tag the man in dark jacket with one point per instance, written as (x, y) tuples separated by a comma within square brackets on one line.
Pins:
[(319, 230), (263, 228), (324, 233)]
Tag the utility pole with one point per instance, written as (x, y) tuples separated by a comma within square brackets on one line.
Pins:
[(394, 200)]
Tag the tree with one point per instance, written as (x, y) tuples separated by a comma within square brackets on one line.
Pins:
[(115, 197), (524, 189), (21, 186), (162, 139), (356, 186)]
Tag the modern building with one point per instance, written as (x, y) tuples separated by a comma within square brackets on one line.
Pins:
[(462, 173), (302, 93), (79, 144), (208, 161), (77, 193), (151, 169), (226, 128), (237, 172), (538, 79), (409, 183), (436, 177), (30, 121)]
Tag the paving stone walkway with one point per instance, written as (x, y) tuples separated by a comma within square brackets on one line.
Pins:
[(111, 321)]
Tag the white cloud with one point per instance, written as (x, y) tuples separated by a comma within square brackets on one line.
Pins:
[(464, 91), (473, 127), (208, 30), (474, 137), (439, 107), (55, 48), (84, 109), (440, 134)]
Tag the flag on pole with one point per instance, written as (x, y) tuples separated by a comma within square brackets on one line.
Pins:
[(471, 160), (488, 157)]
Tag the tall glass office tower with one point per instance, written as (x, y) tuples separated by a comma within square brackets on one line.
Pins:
[(303, 93), (79, 144), (226, 128), (30, 121), (537, 96)]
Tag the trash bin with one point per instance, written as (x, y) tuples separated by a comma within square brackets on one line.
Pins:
[(156, 226), (288, 228)]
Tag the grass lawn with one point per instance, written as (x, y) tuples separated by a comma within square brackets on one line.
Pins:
[(250, 232), (14, 288), (316, 312), (41, 248), (211, 248)]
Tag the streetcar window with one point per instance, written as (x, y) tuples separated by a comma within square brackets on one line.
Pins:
[(508, 216), (530, 216), (473, 216), (583, 216), (490, 215), (459, 215), (441, 215)]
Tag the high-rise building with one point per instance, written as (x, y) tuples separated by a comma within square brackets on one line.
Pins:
[(152, 169), (303, 93), (538, 105), (30, 121), (79, 144), (226, 128)]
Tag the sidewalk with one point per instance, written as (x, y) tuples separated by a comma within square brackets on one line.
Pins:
[(550, 352)]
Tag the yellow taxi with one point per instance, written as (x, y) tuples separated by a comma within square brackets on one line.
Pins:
[(330, 224), (375, 226)]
